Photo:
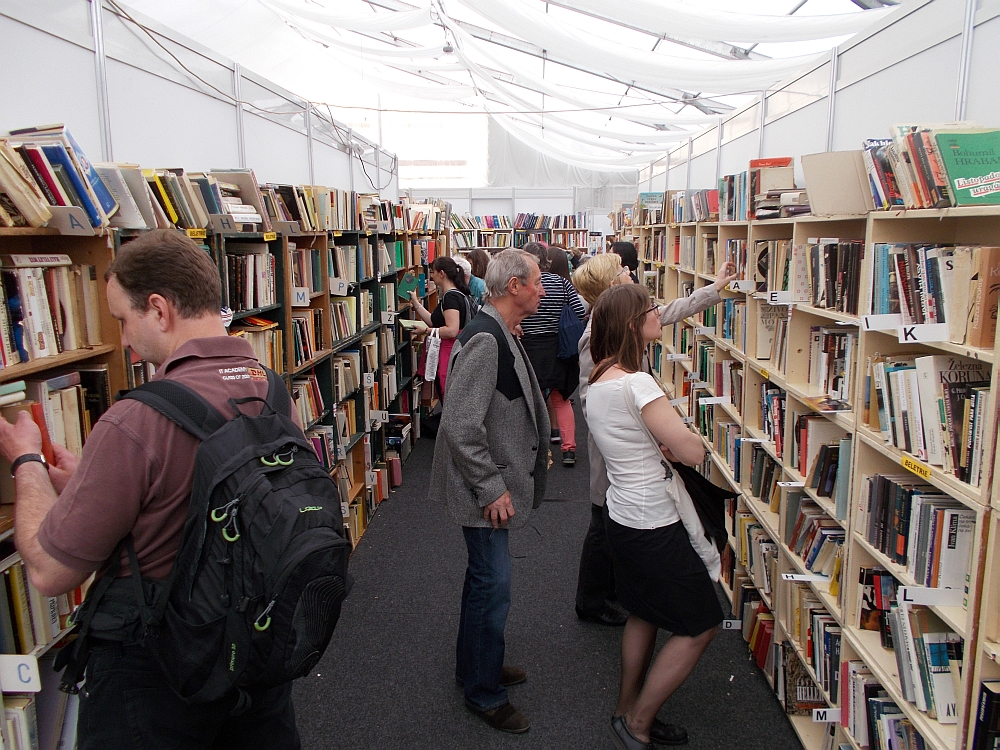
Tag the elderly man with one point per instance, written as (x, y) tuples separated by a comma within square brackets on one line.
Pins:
[(489, 465)]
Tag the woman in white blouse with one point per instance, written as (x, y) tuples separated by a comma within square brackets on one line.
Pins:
[(664, 564)]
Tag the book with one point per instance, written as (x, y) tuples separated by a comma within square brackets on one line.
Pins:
[(971, 159)]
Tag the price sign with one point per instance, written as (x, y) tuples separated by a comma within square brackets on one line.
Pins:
[(910, 464), (196, 234), (270, 236)]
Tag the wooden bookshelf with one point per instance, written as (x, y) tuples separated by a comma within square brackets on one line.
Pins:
[(684, 257)]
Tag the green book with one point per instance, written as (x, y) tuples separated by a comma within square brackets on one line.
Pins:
[(8, 388), (406, 285), (972, 160)]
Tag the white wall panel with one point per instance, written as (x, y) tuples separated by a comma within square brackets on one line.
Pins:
[(802, 132), (47, 79), (331, 166), (703, 171), (275, 153), (157, 123), (737, 154), (919, 89), (984, 89)]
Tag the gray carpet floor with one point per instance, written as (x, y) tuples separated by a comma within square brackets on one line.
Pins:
[(387, 679)]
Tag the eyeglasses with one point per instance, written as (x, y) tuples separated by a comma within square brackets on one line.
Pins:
[(652, 308), (624, 272)]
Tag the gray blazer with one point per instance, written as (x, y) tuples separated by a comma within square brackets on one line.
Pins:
[(494, 428), (675, 311)]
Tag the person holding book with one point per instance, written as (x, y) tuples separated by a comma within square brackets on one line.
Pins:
[(489, 467), (132, 486), (449, 317), (664, 563), (558, 377), (595, 590)]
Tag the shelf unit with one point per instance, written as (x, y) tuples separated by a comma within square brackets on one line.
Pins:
[(676, 258)]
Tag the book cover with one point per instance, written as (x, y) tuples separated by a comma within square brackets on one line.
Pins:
[(972, 160)]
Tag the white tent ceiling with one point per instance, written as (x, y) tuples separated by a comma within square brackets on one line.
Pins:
[(597, 84)]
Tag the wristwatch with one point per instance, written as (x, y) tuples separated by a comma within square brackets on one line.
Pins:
[(26, 458)]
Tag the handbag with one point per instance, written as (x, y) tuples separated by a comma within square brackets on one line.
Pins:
[(432, 350), (570, 330), (709, 499)]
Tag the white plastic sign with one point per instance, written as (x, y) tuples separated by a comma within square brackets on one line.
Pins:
[(714, 400), (338, 287), (300, 296), (931, 597), (805, 577), (388, 317), (732, 625), (369, 379), (791, 484), (687, 420), (779, 298), (677, 401), (704, 331), (19, 674), (881, 322), (381, 416), (676, 357), (741, 285), (826, 715), (923, 332)]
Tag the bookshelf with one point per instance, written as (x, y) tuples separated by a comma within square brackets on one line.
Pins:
[(751, 398)]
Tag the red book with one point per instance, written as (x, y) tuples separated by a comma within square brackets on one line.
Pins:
[(774, 161), (38, 415)]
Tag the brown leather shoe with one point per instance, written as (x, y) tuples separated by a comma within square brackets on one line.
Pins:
[(508, 676), (506, 718)]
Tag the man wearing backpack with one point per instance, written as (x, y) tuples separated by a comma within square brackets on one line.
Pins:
[(124, 505)]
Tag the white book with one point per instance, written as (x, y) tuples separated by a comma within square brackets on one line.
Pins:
[(918, 446), (956, 546), (129, 215)]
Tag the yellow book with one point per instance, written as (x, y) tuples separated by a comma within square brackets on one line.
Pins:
[(151, 176), (21, 608)]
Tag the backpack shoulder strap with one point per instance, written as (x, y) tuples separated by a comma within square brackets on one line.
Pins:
[(181, 405), (278, 397)]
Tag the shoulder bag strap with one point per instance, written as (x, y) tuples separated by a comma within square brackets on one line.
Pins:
[(637, 416), (181, 405)]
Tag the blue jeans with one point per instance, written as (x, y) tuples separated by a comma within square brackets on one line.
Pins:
[(485, 603)]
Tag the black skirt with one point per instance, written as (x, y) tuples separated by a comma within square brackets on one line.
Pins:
[(553, 374), (659, 578)]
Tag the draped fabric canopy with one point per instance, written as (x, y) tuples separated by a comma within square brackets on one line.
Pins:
[(607, 85)]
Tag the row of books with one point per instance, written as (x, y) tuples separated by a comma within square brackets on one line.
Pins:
[(755, 551), (772, 415), (307, 333), (361, 262), (870, 716), (821, 452), (934, 408), (693, 205), (933, 166), (734, 322), (781, 203), (307, 270), (344, 316), (824, 273), (265, 337), (308, 398), (249, 281), (48, 305), (931, 283), (833, 363), (493, 221), (929, 655), (812, 535), (739, 194), (28, 619), (918, 527)]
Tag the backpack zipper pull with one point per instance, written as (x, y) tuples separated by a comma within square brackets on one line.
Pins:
[(257, 624), (219, 514)]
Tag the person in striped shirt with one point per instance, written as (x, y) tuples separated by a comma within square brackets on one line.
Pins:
[(556, 377)]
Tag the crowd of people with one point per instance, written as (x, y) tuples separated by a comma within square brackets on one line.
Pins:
[(648, 562)]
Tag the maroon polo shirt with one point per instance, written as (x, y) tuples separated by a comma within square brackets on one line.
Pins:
[(136, 470)]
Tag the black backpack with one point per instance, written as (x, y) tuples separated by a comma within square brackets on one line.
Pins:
[(257, 586)]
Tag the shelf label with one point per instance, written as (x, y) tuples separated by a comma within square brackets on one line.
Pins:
[(923, 332), (687, 420), (779, 298), (714, 400), (701, 384), (369, 379), (370, 479), (676, 357), (732, 624), (931, 597), (826, 715), (765, 373), (690, 377), (881, 322), (196, 234), (380, 416), (910, 464), (70, 220), (806, 577), (704, 331), (741, 285), (388, 317), (791, 484), (19, 674), (677, 401), (338, 234), (300, 296), (338, 287), (750, 440), (270, 236)]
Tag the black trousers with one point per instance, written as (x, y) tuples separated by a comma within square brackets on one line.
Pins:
[(126, 704), (596, 583)]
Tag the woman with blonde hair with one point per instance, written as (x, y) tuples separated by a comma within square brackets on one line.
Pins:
[(595, 589), (664, 564)]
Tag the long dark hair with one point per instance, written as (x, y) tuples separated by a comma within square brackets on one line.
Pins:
[(479, 259), (455, 274), (558, 263), (540, 252), (616, 329)]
